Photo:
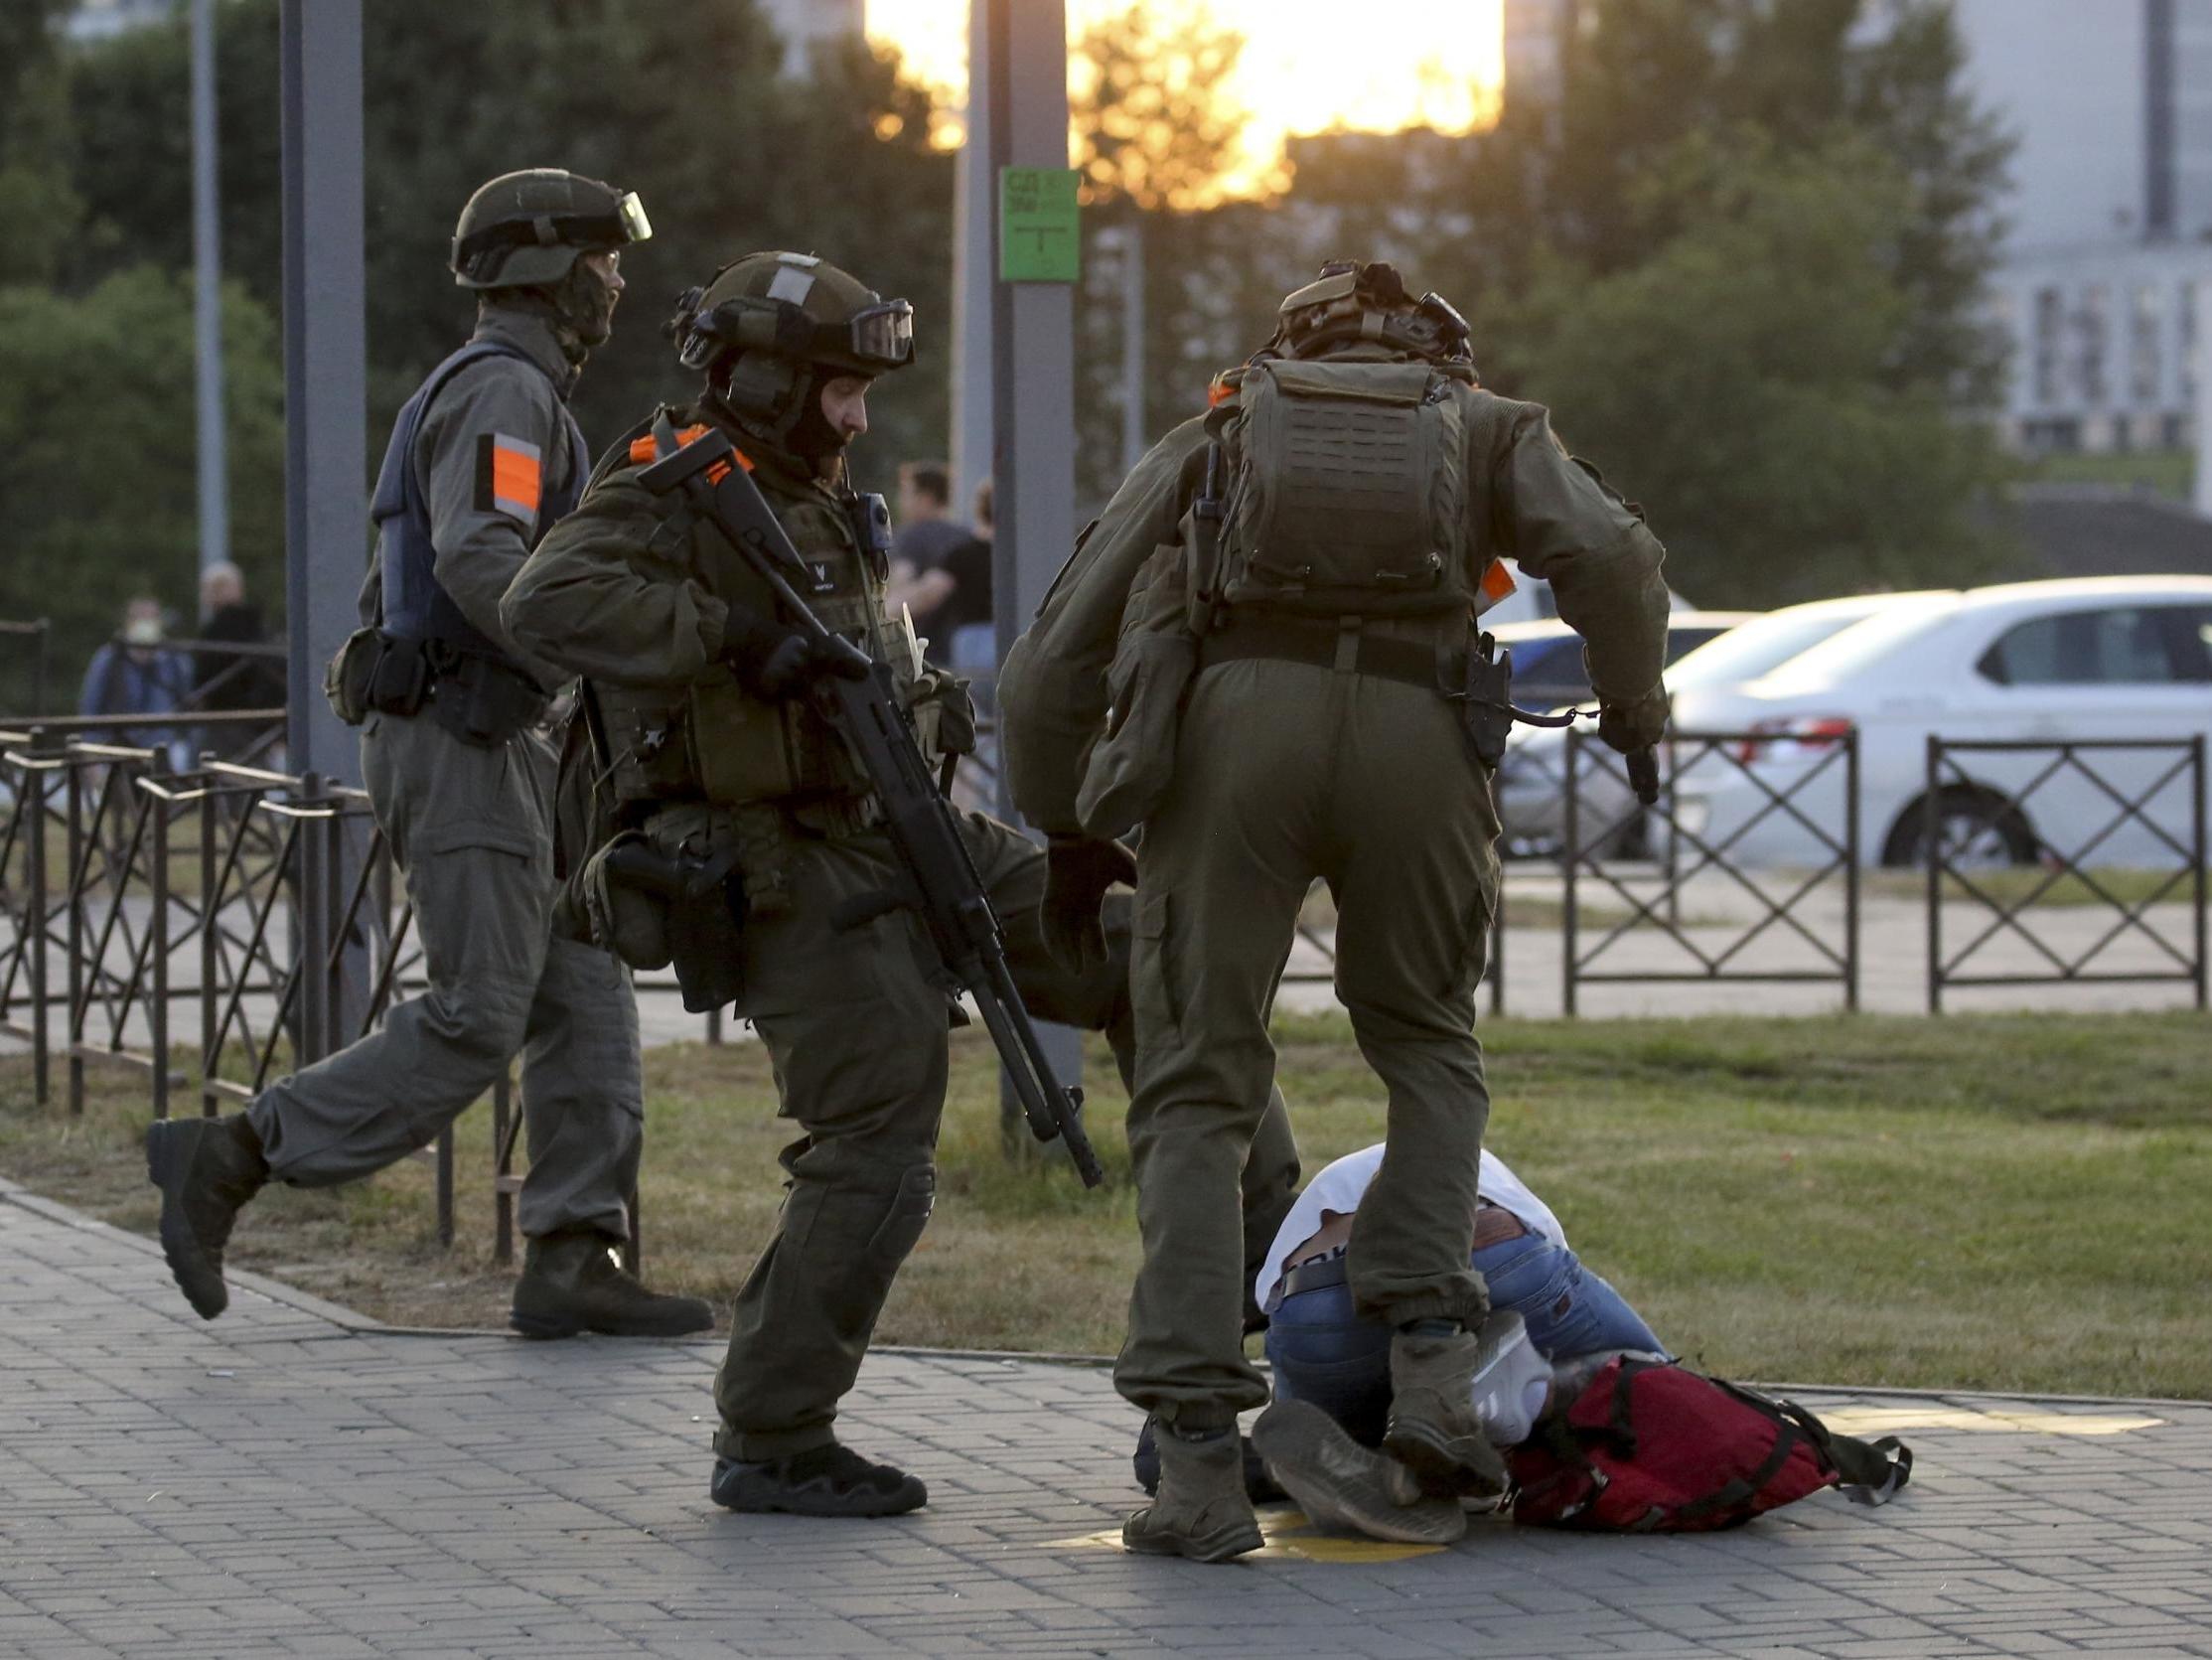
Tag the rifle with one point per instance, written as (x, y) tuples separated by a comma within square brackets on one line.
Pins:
[(940, 885)]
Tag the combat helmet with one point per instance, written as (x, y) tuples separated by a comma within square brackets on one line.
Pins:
[(771, 327), (525, 229), (1354, 303)]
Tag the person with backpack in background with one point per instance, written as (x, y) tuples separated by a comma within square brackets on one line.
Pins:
[(138, 672), (1277, 608)]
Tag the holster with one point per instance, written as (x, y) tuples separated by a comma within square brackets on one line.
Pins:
[(1487, 704), (375, 671), (654, 907), (478, 701)]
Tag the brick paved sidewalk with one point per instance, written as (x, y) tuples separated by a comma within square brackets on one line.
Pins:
[(292, 1481)]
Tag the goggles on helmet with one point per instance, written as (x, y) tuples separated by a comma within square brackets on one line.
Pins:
[(884, 334), (881, 336), (625, 223)]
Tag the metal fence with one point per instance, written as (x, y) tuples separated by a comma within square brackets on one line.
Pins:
[(1603, 810), (2086, 766), (268, 901)]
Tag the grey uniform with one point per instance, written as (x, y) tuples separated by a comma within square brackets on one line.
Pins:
[(472, 827)]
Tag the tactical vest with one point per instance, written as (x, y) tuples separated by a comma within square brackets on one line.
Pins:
[(713, 740), (415, 605), (1347, 490)]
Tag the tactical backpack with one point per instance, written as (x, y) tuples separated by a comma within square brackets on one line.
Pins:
[(1347, 489), (1648, 1447)]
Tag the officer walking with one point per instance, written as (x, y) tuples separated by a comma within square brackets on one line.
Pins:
[(484, 458), (1314, 643), (772, 851)]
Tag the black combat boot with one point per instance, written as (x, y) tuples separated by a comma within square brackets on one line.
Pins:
[(571, 1283), (207, 1170), (1202, 1511), (831, 1480)]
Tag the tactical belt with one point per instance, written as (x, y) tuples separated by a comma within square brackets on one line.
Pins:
[(479, 700), (1430, 664)]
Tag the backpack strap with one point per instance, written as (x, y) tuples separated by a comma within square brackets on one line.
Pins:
[(1870, 1472)]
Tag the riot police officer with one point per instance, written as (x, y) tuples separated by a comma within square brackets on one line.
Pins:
[(484, 458), (774, 858), (1277, 607)]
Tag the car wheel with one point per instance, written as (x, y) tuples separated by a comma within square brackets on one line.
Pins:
[(1976, 829)]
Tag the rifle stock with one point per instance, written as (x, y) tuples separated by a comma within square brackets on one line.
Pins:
[(945, 891)]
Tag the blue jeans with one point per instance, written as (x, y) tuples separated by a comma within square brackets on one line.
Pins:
[(1322, 1353)]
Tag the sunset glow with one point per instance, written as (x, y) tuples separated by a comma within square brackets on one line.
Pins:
[(1308, 66)]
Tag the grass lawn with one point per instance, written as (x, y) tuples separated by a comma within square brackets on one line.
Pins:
[(2011, 886), (1975, 1202)]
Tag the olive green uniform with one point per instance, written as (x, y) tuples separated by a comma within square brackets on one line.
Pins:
[(471, 828), (635, 594), (1298, 758)]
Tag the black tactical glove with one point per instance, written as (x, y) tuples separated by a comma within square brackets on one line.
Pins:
[(774, 662), (1077, 871), (1629, 727)]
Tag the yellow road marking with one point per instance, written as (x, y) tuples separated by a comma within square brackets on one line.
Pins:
[(1887, 1420), (1290, 1537)]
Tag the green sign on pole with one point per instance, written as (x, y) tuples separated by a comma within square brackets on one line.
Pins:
[(1040, 236)]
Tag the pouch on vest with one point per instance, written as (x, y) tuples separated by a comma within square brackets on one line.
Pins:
[(671, 893), (583, 819), (1130, 769), (1348, 491), (943, 715), (346, 677)]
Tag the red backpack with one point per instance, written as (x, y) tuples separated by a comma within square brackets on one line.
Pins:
[(1653, 1448)]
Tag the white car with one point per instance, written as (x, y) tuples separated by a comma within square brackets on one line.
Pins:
[(2100, 657), (1532, 793)]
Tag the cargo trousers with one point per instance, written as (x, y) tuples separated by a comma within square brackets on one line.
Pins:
[(1284, 773), (471, 827), (857, 1036)]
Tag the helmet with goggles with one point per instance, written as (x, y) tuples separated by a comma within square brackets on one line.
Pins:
[(527, 229), (797, 307), (1355, 304)]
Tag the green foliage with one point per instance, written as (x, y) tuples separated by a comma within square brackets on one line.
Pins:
[(1740, 377), (686, 105), (37, 202), (96, 459), (1762, 229)]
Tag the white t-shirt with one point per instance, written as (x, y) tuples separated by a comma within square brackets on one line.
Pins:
[(1340, 1187)]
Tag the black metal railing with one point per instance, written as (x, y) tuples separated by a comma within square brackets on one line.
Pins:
[(1958, 808), (1711, 952), (116, 871)]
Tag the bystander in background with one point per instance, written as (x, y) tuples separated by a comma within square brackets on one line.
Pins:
[(235, 680), (136, 672), (927, 533)]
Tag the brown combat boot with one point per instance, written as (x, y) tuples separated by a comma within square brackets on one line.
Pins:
[(1433, 1431), (1338, 1482), (1202, 1511), (207, 1170), (571, 1283)]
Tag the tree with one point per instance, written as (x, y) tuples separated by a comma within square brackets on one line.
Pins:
[(1155, 128), (1741, 378), (687, 106), (1746, 255), (97, 486), (36, 204)]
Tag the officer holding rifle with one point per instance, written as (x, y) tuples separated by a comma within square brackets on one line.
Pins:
[(768, 748)]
